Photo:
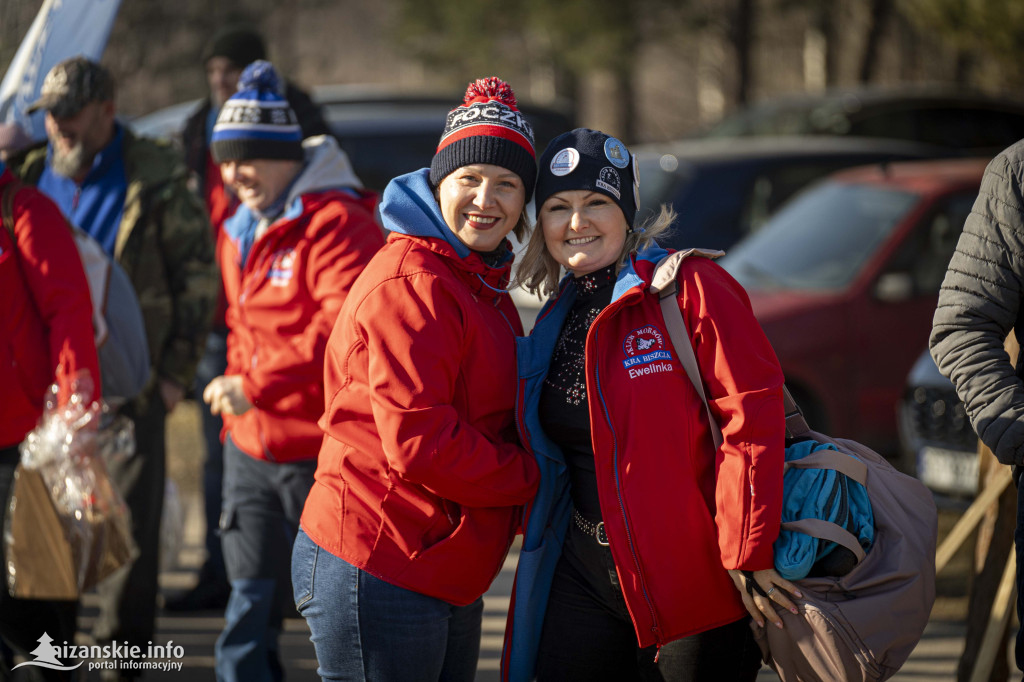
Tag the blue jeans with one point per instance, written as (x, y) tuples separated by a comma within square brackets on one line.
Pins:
[(366, 629), (262, 504)]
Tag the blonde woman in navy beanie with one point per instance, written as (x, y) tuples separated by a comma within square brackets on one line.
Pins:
[(636, 542), (421, 479)]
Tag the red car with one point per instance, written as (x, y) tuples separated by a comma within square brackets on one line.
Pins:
[(845, 279)]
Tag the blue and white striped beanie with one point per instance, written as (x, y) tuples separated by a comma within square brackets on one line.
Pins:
[(256, 122)]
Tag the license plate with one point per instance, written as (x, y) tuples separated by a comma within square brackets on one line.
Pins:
[(948, 471)]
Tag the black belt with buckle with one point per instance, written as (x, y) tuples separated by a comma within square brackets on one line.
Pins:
[(595, 530)]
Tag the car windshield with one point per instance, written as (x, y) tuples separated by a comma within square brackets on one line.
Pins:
[(661, 174), (820, 240)]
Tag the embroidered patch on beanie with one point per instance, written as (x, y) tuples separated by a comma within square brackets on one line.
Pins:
[(257, 122), (487, 128)]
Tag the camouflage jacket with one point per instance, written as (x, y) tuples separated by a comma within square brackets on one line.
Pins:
[(165, 246)]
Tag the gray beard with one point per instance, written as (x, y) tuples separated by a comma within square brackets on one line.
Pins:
[(69, 164)]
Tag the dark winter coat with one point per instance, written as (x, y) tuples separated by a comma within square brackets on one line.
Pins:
[(981, 301)]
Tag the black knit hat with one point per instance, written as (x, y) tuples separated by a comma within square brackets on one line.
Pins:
[(256, 122), (487, 128), (239, 44), (590, 160)]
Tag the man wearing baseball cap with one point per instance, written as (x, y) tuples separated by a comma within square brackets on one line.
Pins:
[(131, 195)]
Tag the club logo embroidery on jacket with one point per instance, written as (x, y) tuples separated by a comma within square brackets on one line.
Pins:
[(645, 352), (282, 268)]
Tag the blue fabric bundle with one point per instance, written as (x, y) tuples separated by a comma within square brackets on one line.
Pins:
[(823, 494)]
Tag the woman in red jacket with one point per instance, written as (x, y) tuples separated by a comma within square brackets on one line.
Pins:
[(421, 480), (634, 546), (46, 336)]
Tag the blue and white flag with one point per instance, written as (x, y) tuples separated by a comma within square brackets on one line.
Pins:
[(62, 29)]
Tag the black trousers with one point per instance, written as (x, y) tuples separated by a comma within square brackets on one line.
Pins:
[(262, 505), (23, 621), (128, 597), (588, 635)]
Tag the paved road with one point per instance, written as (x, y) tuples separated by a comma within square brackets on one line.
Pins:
[(934, 660)]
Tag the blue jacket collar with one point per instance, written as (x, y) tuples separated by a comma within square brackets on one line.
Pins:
[(535, 351), (409, 207), (628, 277)]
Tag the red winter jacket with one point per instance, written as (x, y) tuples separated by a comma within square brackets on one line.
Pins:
[(281, 308), (421, 477), (677, 512), (725, 508), (45, 312)]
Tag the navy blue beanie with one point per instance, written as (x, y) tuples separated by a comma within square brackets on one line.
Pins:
[(585, 159), (257, 122)]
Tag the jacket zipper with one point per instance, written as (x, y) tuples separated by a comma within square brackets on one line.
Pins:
[(618, 486), (248, 284)]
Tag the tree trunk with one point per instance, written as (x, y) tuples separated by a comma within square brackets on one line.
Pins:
[(741, 29), (825, 22), (964, 67), (627, 94), (881, 11)]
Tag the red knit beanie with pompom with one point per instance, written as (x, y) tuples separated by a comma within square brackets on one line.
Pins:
[(487, 128)]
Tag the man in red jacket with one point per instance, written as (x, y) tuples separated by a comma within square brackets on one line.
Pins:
[(302, 234), (230, 50), (47, 336)]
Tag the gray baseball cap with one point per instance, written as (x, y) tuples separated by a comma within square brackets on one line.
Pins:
[(71, 84)]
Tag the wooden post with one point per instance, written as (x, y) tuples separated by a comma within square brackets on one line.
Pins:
[(974, 515), (994, 640), (984, 655)]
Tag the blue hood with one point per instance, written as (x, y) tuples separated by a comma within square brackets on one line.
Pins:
[(409, 207)]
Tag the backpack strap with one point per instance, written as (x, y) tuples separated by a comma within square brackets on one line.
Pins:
[(666, 272), (826, 530), (7, 208), (796, 425), (664, 279), (664, 283), (853, 468)]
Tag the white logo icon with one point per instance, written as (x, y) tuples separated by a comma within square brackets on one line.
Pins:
[(46, 656)]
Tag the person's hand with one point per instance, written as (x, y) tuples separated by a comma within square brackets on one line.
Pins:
[(172, 393), (761, 591), (224, 395)]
